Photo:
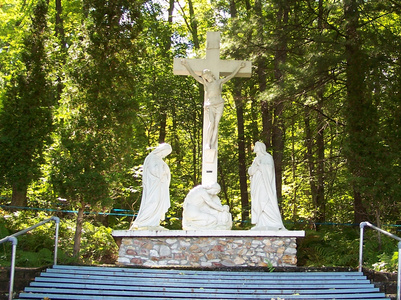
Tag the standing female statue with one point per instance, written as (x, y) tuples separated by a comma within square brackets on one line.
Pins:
[(155, 195), (264, 206)]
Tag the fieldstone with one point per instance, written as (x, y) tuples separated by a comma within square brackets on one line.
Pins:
[(255, 259), (149, 263), (123, 260), (184, 243), (218, 248), (126, 242), (194, 248), (131, 251), (228, 263), (153, 253), (230, 252), (268, 249), (193, 258), (239, 261), (290, 251), (267, 242), (173, 262), (278, 243), (165, 251), (136, 261), (210, 256), (242, 251), (238, 241), (148, 246), (280, 250), (179, 255), (290, 259), (250, 252), (262, 264), (206, 264), (171, 241)]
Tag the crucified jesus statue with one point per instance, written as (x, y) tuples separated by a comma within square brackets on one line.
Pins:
[(214, 103)]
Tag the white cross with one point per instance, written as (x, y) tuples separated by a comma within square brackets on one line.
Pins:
[(218, 68)]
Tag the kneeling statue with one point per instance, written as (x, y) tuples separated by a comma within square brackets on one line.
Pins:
[(202, 210)]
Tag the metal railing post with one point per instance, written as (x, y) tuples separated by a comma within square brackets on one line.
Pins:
[(13, 239), (14, 242), (362, 226), (57, 221), (399, 272)]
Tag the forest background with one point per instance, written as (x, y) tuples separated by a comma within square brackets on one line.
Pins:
[(87, 89)]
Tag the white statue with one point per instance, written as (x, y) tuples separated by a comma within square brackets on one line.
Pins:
[(214, 102), (265, 211), (155, 195), (202, 210)]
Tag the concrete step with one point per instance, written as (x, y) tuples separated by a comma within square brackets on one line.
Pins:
[(79, 282)]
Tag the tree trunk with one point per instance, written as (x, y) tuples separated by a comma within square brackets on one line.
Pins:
[(280, 57), (310, 161), (320, 196), (18, 197), (261, 71), (239, 108), (164, 101), (60, 35), (293, 171), (59, 27), (357, 109), (224, 189), (241, 152), (78, 231), (193, 28), (163, 123), (360, 214), (193, 25)]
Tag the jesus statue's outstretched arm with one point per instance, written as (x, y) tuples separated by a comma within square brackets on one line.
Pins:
[(193, 74), (227, 78)]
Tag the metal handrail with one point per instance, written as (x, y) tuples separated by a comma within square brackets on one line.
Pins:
[(13, 239), (362, 226)]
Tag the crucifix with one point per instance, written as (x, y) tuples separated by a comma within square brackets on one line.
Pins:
[(208, 71)]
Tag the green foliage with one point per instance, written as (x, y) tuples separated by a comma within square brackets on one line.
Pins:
[(335, 246), (98, 245), (387, 262), (330, 246), (36, 247), (26, 118)]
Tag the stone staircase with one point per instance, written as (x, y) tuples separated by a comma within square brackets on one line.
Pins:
[(114, 283)]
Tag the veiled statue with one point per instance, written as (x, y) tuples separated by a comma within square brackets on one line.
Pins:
[(264, 207), (155, 199)]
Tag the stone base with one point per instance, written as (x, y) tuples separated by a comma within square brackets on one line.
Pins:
[(207, 249)]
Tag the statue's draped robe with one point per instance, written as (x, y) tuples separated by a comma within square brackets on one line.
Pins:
[(203, 211), (155, 196), (264, 207)]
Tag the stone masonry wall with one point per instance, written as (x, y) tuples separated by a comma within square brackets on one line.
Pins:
[(208, 252)]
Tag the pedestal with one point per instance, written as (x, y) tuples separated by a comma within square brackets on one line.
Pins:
[(207, 249)]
